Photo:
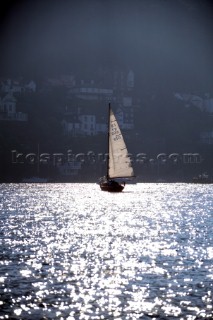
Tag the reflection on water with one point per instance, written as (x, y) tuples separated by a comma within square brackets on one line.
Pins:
[(72, 251)]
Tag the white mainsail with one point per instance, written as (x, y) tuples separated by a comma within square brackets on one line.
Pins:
[(119, 165)]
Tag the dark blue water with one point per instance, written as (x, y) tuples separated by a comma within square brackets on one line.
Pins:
[(71, 251)]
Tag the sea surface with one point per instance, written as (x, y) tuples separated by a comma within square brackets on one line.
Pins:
[(72, 251)]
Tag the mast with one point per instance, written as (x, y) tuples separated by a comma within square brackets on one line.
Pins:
[(107, 175)]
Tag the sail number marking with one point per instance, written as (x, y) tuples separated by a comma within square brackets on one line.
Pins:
[(116, 134)]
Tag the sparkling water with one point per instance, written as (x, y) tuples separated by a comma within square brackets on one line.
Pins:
[(72, 251)]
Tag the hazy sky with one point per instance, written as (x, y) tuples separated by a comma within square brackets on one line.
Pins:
[(168, 43)]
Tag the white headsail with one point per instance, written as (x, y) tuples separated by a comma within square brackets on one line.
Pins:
[(119, 160)]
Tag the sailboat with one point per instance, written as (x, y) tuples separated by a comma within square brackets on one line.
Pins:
[(119, 165)]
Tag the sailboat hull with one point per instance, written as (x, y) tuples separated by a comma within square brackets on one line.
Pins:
[(111, 187)]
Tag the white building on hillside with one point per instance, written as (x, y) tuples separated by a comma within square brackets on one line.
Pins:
[(204, 104), (8, 109), (90, 98), (17, 86)]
